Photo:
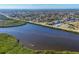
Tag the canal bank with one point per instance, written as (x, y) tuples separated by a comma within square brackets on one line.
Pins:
[(11, 23), (71, 31)]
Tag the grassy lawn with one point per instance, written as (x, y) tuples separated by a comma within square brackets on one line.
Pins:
[(11, 23), (9, 45)]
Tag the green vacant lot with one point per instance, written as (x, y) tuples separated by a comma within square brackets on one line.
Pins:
[(9, 45)]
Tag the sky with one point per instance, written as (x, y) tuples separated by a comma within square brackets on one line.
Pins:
[(39, 6)]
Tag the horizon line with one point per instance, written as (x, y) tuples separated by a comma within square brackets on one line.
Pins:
[(39, 8)]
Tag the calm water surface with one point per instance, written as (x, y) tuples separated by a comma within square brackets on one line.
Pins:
[(38, 37)]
